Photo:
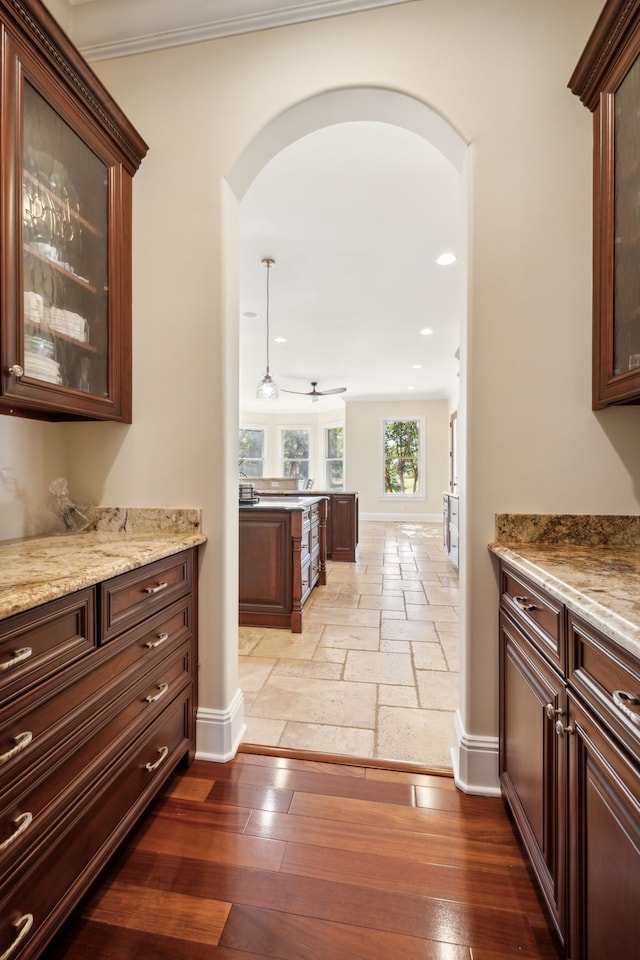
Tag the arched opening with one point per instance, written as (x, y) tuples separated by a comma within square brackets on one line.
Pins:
[(367, 107)]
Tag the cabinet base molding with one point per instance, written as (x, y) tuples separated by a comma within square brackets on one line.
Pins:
[(475, 762), (220, 732)]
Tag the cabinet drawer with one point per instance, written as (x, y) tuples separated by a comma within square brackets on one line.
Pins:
[(132, 597), (314, 535), (608, 679), (56, 879), (540, 614), (42, 641), (29, 726), (52, 787)]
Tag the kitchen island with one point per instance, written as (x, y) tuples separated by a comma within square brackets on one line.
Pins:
[(282, 557), (569, 759), (342, 517)]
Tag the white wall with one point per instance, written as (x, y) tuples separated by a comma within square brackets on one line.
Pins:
[(364, 464), (498, 73)]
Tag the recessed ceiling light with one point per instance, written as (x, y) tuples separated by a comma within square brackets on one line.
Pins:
[(279, 339), (250, 315), (416, 366), (445, 259), (426, 331), (410, 388)]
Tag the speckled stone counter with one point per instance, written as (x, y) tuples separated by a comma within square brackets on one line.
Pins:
[(38, 569), (589, 563)]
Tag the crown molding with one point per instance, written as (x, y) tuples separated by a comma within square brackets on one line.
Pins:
[(130, 28)]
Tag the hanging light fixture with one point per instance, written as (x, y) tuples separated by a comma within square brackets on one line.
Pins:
[(267, 389)]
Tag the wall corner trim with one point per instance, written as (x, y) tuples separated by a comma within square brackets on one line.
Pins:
[(475, 762), (220, 732)]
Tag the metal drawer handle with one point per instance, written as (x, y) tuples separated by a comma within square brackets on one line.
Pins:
[(18, 656), (162, 585), (162, 687), (553, 712), (23, 925), (561, 729), (156, 643), (629, 703), (524, 603), (21, 741), (164, 753), (22, 822)]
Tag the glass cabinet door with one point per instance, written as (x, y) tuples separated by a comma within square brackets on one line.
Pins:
[(65, 254)]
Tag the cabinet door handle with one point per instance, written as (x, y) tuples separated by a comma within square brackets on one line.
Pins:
[(22, 822), (524, 603), (22, 925), (161, 585), (629, 703), (21, 741), (164, 753), (156, 643), (561, 729), (15, 371), (553, 712), (163, 687), (18, 656)]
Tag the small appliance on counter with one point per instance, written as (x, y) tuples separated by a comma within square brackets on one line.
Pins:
[(247, 495)]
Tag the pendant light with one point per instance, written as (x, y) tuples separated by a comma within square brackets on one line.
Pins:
[(267, 389)]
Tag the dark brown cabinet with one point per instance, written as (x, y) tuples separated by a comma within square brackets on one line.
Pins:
[(68, 159), (342, 520), (95, 713), (607, 80), (570, 766), (282, 556)]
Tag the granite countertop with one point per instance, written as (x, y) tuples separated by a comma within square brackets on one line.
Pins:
[(589, 563), (35, 570), (283, 502)]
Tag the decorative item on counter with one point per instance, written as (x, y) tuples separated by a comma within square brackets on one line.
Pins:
[(247, 494), (63, 515)]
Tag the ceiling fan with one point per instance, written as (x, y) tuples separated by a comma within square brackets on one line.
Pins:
[(313, 393)]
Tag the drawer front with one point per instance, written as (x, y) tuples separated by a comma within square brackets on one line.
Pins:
[(49, 789), (29, 726), (306, 578), (607, 678), (315, 537), (42, 641), (71, 858), (453, 510), (540, 615), (132, 597)]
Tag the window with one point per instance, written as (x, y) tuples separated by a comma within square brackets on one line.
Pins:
[(295, 453), (402, 444), (334, 458), (251, 453)]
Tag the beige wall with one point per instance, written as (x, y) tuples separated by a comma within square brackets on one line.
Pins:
[(498, 73), (363, 430)]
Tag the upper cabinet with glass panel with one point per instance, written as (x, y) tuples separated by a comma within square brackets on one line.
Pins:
[(68, 159), (607, 80)]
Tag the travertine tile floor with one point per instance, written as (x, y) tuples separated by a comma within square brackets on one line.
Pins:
[(374, 674)]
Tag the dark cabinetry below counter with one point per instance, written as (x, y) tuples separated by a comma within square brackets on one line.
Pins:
[(97, 706), (342, 521), (570, 766), (282, 556)]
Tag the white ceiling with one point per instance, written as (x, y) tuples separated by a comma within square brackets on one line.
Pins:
[(354, 215)]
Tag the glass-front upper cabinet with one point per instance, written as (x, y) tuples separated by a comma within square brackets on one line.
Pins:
[(66, 298), (607, 80)]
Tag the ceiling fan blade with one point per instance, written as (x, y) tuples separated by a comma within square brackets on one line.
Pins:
[(301, 393), (325, 393)]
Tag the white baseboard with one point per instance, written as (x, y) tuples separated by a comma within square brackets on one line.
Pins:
[(220, 732), (475, 762), (403, 517)]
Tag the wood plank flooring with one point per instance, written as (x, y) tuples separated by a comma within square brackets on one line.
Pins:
[(289, 859)]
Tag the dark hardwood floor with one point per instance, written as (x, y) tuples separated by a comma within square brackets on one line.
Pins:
[(298, 859)]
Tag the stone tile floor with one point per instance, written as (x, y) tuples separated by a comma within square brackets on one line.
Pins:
[(374, 674)]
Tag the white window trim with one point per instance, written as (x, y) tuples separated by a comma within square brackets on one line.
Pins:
[(265, 440), (296, 426), (338, 425), (396, 497)]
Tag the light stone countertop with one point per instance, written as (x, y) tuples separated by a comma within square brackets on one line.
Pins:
[(599, 580), (35, 570)]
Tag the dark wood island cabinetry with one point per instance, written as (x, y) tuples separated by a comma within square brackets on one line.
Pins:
[(342, 519), (282, 556)]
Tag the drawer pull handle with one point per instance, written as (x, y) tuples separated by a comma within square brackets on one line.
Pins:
[(23, 925), (164, 753), (156, 643), (18, 656), (524, 603), (561, 729), (162, 687), (553, 712), (21, 741), (629, 703), (22, 822), (162, 585)]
